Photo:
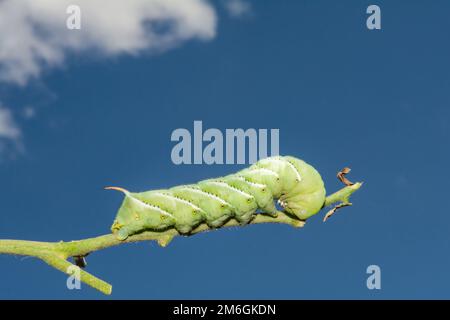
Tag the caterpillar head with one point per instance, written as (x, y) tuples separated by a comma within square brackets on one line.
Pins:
[(303, 206), (306, 196)]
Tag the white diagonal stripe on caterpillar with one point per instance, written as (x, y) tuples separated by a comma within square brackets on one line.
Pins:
[(259, 185), (268, 171), (179, 200), (226, 185), (210, 195), (290, 165), (145, 204)]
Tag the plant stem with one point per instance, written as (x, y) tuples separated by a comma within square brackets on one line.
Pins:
[(56, 253), (342, 195)]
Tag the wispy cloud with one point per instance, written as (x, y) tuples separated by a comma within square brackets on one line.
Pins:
[(34, 36), (10, 134), (8, 127), (237, 8)]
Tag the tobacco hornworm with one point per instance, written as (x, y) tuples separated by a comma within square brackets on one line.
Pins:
[(296, 185)]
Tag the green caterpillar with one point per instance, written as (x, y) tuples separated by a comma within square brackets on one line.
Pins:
[(296, 185)]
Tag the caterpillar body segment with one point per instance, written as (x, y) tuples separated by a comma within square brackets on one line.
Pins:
[(264, 176), (308, 194), (135, 215), (217, 211), (263, 197), (243, 204), (186, 214), (295, 184)]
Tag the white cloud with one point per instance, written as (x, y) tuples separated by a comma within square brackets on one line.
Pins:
[(238, 8), (34, 36), (8, 127)]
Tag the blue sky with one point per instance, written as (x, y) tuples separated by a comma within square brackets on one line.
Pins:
[(342, 95)]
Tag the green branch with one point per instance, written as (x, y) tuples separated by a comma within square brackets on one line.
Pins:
[(56, 254), (342, 195)]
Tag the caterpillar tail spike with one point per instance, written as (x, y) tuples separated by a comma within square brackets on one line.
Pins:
[(125, 191), (295, 185)]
